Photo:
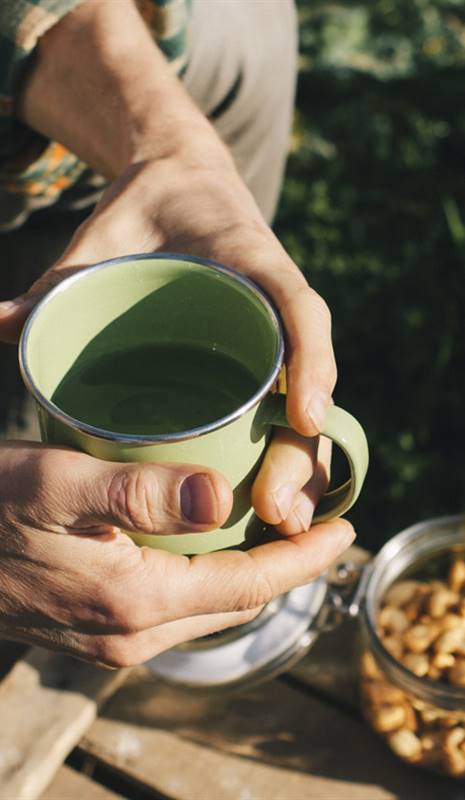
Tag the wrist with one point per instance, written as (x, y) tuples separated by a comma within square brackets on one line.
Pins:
[(183, 143), (101, 87)]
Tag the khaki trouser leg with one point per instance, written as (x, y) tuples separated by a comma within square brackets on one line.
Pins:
[(251, 44)]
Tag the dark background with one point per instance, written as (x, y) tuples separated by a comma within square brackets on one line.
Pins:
[(372, 211)]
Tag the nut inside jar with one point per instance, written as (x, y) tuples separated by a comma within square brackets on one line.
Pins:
[(421, 623)]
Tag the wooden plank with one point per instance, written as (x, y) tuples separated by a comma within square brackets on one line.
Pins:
[(271, 743), (71, 785), (47, 702)]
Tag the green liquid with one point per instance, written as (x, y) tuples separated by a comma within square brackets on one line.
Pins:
[(155, 389)]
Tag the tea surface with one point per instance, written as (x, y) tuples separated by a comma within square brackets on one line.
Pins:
[(155, 389)]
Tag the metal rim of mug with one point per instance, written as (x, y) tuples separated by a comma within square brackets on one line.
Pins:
[(412, 546), (101, 433)]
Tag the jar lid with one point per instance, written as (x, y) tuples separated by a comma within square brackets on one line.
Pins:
[(279, 636)]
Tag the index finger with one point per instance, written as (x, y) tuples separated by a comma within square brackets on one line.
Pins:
[(310, 362), (311, 366)]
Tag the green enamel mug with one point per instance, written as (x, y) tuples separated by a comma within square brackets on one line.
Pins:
[(176, 300)]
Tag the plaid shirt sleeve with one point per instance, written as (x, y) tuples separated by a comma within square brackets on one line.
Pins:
[(31, 167), (22, 23)]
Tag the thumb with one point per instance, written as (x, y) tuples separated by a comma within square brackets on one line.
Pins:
[(149, 498), (13, 315)]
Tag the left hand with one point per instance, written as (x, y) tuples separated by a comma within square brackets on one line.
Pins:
[(178, 205)]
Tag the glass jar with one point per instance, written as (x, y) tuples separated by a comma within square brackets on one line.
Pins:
[(421, 718)]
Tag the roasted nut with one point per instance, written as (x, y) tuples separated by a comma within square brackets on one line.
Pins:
[(454, 737), (456, 576), (460, 651), (369, 667), (425, 619), (387, 718), (443, 661), (393, 620), (418, 663), (419, 637), (434, 674), (440, 601), (381, 692), (393, 645), (454, 762), (430, 715), (450, 640), (411, 721), (433, 740), (456, 673), (401, 593), (454, 759), (405, 744), (451, 621), (414, 608)]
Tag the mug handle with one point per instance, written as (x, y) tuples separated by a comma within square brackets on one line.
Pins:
[(345, 431)]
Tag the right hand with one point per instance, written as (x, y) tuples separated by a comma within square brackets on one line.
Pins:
[(71, 580)]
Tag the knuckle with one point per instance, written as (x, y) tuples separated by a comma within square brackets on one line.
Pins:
[(133, 496), (125, 614), (48, 465), (258, 592), (330, 378), (53, 468), (321, 308), (125, 597), (331, 371), (119, 611)]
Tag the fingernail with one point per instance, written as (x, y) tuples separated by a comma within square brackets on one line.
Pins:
[(304, 513), (8, 305), (199, 502), (317, 408), (283, 499)]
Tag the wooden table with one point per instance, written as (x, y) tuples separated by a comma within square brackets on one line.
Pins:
[(125, 734), (69, 731)]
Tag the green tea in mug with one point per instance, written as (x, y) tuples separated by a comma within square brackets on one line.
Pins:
[(155, 388)]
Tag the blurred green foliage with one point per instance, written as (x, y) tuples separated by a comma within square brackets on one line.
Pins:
[(374, 213)]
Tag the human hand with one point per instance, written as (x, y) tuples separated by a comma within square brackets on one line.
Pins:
[(175, 188), (183, 205), (70, 580)]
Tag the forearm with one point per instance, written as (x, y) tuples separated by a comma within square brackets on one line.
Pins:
[(101, 87)]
